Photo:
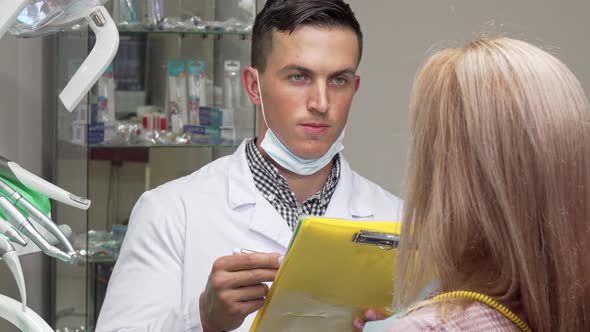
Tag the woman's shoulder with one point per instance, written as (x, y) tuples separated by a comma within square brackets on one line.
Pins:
[(474, 317)]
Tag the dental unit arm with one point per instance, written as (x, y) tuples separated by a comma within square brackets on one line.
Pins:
[(13, 311), (24, 202), (101, 56), (23, 220), (57, 15)]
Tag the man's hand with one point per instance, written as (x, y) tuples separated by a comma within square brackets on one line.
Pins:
[(369, 315), (235, 289)]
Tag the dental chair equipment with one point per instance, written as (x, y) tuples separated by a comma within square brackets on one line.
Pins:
[(11, 233), (34, 18), (25, 212), (13, 311)]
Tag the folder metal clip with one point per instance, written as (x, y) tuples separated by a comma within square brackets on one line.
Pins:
[(384, 241)]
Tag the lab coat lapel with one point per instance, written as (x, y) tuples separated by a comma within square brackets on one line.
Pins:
[(242, 191), (347, 202), (268, 222)]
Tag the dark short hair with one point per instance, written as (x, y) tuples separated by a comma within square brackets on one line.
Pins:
[(288, 15)]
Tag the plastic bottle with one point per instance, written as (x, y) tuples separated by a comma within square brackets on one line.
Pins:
[(106, 96), (154, 13), (232, 91), (196, 89), (125, 11), (177, 101)]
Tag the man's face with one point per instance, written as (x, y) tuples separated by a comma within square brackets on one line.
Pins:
[(308, 85)]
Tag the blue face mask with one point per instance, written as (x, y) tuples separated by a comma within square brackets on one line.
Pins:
[(273, 146)]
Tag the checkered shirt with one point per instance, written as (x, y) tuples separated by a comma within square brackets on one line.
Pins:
[(275, 189)]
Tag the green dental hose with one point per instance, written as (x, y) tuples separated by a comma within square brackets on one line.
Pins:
[(40, 201)]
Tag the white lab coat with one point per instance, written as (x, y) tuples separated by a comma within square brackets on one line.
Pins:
[(179, 229)]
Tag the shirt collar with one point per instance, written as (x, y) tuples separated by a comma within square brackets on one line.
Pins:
[(242, 189), (262, 168)]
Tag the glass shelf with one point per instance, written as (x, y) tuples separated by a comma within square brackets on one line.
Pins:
[(143, 30), (163, 146), (98, 260), (141, 153)]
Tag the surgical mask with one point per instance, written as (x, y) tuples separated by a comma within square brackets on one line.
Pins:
[(273, 146)]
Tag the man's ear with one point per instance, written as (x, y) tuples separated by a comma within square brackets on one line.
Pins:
[(251, 84), (357, 83)]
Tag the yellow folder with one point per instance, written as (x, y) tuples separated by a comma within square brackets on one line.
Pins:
[(333, 270)]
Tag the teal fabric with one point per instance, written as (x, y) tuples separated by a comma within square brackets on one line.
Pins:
[(380, 325)]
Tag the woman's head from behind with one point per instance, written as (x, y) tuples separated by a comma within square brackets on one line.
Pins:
[(499, 181)]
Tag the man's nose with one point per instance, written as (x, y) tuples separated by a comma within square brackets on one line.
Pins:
[(318, 100)]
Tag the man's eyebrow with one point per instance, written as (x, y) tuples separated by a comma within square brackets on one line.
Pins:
[(347, 71), (296, 68)]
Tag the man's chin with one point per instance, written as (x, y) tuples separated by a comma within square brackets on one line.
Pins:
[(311, 154), (310, 149)]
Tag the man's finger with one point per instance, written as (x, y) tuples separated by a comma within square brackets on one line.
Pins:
[(251, 293), (249, 307), (247, 278), (251, 261)]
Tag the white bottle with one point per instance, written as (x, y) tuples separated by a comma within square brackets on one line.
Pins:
[(196, 89), (177, 97), (232, 90)]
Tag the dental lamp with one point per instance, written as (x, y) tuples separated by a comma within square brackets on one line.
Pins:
[(25, 220), (34, 18)]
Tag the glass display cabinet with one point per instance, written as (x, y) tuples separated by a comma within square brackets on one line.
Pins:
[(171, 102)]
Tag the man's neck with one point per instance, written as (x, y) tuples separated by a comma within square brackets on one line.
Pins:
[(303, 186)]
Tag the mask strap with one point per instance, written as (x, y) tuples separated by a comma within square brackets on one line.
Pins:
[(261, 102)]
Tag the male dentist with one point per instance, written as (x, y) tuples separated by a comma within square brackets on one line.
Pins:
[(176, 271)]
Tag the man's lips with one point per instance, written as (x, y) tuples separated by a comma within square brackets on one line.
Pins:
[(315, 128)]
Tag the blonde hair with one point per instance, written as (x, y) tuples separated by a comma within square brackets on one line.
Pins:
[(498, 185)]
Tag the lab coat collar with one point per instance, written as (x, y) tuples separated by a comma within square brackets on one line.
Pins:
[(348, 195), (267, 221), (242, 191), (241, 188), (347, 201)]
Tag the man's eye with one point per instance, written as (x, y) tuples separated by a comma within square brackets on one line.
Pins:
[(339, 80), (297, 77)]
